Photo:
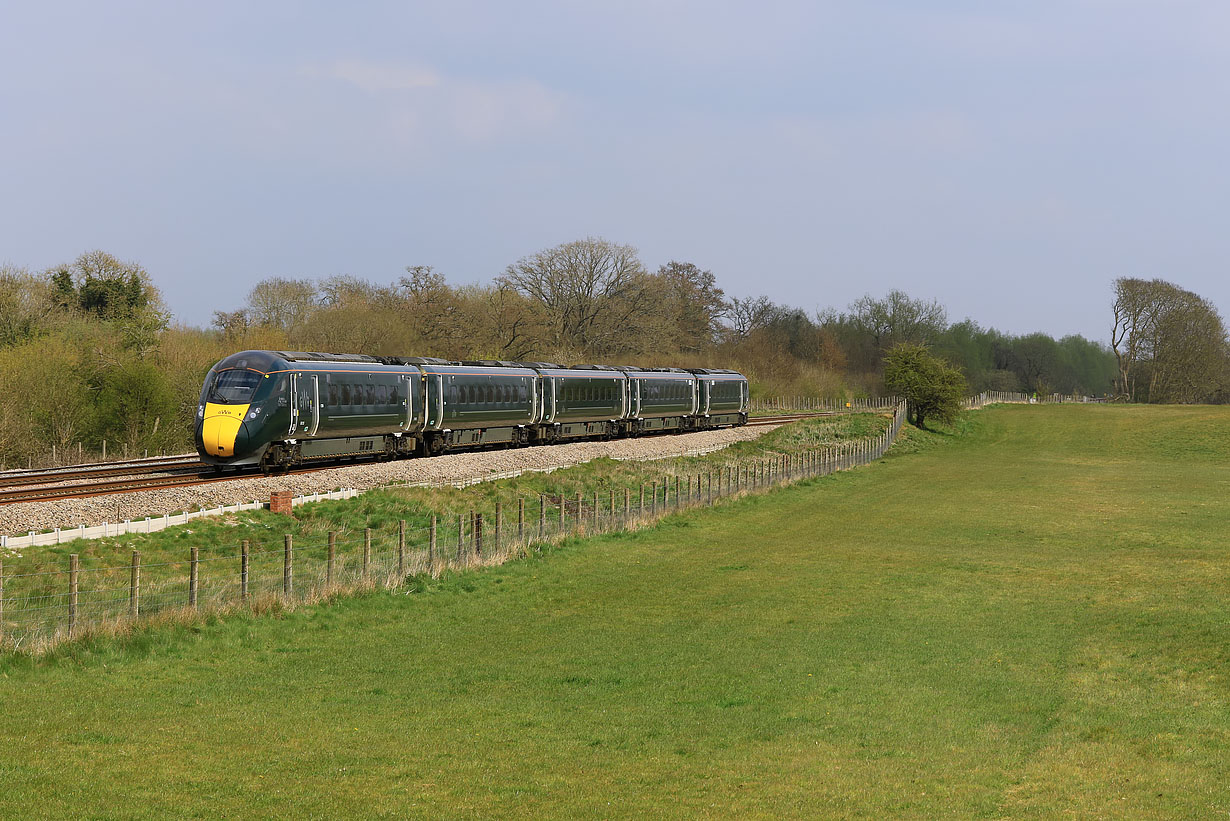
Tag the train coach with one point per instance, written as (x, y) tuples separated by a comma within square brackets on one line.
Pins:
[(273, 409)]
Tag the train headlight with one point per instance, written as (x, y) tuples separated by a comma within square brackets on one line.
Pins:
[(200, 411)]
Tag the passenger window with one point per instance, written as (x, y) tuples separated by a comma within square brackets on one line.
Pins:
[(370, 394), (345, 394), (333, 395)]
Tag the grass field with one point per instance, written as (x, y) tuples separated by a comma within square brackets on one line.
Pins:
[(1026, 617)]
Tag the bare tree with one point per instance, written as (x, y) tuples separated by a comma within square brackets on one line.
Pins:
[(282, 303), (588, 289), (750, 314)]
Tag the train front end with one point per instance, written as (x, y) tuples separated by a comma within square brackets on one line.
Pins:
[(239, 408)]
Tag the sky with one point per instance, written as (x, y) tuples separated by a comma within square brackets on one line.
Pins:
[(1008, 159)]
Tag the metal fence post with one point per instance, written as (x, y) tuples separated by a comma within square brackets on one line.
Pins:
[(243, 570)]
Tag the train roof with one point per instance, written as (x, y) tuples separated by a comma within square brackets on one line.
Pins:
[(318, 356)]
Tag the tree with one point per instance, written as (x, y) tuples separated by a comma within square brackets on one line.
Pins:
[(280, 303), (746, 315), (1135, 309), (98, 284), (25, 304), (589, 290), (1172, 336), (898, 318), (694, 305), (932, 387)]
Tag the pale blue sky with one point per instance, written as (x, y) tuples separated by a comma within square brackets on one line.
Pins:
[(1009, 159)]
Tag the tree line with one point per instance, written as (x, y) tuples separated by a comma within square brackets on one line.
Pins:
[(88, 351)]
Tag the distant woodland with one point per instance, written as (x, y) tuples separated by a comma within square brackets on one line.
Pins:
[(89, 352)]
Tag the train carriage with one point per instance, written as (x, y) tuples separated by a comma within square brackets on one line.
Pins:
[(666, 399), (480, 403), (583, 401)]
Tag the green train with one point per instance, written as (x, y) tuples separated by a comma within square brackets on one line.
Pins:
[(274, 409)]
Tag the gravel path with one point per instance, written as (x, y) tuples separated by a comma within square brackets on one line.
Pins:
[(20, 518)]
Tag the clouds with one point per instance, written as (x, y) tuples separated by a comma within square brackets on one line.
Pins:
[(810, 150)]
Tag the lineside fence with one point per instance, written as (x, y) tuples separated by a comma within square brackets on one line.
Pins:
[(822, 405), (39, 610)]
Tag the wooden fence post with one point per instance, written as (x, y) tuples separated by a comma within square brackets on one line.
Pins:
[(478, 535), (134, 586), (288, 575), (640, 510), (330, 557), (401, 549), (595, 511), (243, 570), (521, 519), (461, 536), (367, 550), (194, 575), (542, 515), (499, 527), (74, 567), (627, 501)]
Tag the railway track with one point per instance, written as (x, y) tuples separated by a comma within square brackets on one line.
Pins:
[(76, 473), (100, 480), (757, 421)]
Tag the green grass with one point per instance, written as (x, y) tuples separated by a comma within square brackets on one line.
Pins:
[(1021, 617), (165, 554)]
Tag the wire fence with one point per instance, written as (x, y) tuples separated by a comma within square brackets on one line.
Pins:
[(39, 610), (819, 404)]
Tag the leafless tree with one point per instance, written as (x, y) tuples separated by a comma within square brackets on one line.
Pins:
[(750, 314), (588, 290)]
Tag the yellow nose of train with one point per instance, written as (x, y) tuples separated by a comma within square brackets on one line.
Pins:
[(220, 427)]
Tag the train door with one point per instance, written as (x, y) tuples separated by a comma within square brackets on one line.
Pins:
[(413, 409), (434, 400), (707, 386), (536, 407), (314, 406), (292, 385)]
